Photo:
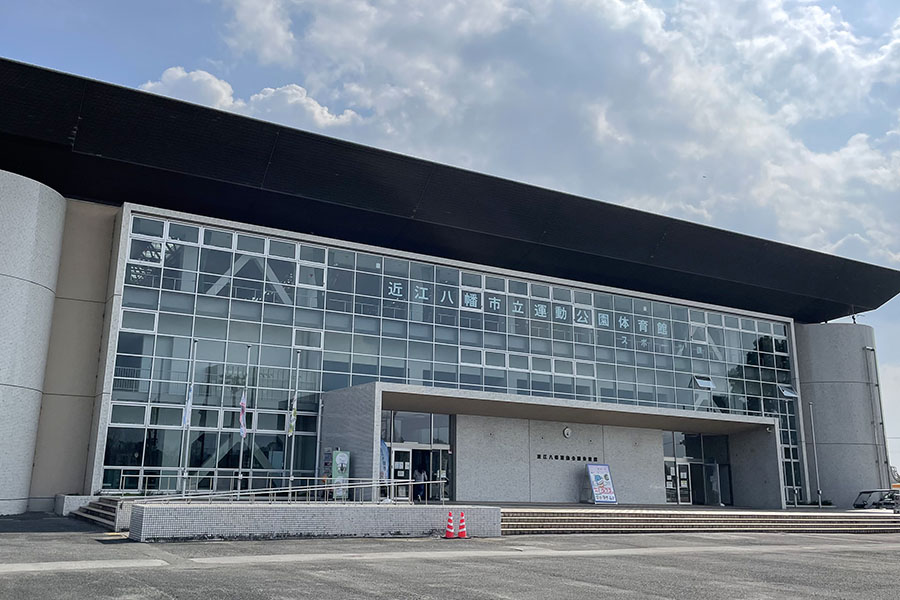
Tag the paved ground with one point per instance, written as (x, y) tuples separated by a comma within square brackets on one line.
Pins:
[(62, 558)]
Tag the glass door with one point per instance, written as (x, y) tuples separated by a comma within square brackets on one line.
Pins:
[(440, 472), (684, 484), (401, 465), (712, 485), (671, 482)]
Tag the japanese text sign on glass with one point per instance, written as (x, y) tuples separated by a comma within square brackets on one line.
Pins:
[(494, 303), (583, 317), (446, 296), (540, 310), (518, 307), (395, 289), (470, 300), (562, 313), (422, 292)]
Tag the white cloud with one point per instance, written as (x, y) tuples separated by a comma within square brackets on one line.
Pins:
[(692, 110), (290, 103), (198, 87), (777, 118), (263, 28)]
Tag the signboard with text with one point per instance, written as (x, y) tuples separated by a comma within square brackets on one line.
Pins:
[(601, 484)]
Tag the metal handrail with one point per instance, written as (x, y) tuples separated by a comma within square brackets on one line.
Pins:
[(310, 493)]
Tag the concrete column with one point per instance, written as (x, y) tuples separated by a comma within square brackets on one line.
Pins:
[(757, 477), (837, 371), (31, 225)]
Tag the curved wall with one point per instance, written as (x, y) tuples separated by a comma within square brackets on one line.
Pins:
[(838, 375), (31, 225)]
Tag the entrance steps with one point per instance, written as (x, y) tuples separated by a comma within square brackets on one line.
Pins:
[(522, 521), (103, 512)]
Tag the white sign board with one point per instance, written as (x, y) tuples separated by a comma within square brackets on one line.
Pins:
[(601, 484)]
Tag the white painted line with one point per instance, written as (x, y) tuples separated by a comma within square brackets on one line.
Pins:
[(526, 552), (80, 565)]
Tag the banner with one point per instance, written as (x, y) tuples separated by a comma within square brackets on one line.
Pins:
[(601, 484), (383, 473), (340, 473)]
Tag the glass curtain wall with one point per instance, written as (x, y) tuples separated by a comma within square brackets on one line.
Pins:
[(358, 317)]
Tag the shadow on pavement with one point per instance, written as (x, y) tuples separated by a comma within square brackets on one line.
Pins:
[(40, 522)]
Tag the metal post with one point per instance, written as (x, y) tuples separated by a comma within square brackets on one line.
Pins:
[(186, 418), (878, 420), (243, 433), (292, 427), (812, 428)]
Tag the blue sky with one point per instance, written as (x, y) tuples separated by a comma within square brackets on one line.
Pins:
[(775, 118)]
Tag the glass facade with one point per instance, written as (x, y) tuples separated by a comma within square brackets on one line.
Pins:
[(320, 318)]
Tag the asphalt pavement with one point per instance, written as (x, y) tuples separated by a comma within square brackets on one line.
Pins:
[(51, 557)]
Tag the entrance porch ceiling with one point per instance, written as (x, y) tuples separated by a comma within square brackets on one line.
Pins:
[(487, 404)]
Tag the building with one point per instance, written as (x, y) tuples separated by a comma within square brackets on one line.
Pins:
[(495, 335)]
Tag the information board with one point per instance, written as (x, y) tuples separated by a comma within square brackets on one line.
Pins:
[(601, 484)]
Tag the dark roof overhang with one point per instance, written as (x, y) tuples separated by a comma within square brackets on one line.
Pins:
[(105, 143)]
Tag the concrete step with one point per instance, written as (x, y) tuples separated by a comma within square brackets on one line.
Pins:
[(632, 530), (530, 521), (100, 510), (111, 501), (664, 521), (92, 518), (694, 524)]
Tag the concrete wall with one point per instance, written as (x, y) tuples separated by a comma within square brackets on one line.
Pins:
[(115, 267), (31, 227), (757, 478), (837, 376), (351, 420), (497, 460), (237, 520), (70, 381)]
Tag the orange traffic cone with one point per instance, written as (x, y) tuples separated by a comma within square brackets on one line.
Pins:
[(462, 526), (450, 533)]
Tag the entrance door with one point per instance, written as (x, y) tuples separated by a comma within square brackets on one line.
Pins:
[(684, 484), (706, 486), (421, 467), (712, 485), (440, 472), (671, 482), (401, 468)]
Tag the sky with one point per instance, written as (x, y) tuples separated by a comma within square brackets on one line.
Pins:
[(773, 118)]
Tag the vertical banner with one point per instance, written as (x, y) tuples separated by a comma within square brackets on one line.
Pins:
[(601, 484), (384, 471), (340, 473)]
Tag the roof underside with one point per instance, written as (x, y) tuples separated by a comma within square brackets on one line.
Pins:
[(104, 143)]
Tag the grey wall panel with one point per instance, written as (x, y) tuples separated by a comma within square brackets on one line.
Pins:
[(351, 420), (635, 458), (756, 472), (497, 460), (560, 476), (838, 389), (492, 459), (31, 226)]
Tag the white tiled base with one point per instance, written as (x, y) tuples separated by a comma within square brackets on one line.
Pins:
[(236, 520)]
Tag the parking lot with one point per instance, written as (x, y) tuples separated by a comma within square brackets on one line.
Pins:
[(54, 557)]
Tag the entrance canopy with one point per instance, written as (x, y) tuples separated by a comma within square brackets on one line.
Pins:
[(486, 404)]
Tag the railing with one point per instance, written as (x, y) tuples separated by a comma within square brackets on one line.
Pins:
[(348, 490), (204, 482)]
